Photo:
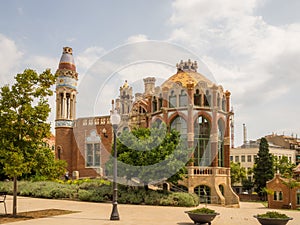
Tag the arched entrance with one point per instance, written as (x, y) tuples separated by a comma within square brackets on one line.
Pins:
[(221, 187), (204, 193)]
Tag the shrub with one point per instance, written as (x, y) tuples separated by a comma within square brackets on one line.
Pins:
[(62, 193), (153, 198), (185, 199), (179, 199), (133, 197), (84, 195), (273, 214), (6, 186), (203, 211), (99, 190)]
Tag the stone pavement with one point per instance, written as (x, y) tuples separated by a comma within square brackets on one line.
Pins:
[(99, 213)]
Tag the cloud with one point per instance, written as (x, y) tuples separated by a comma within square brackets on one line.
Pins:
[(137, 38), (188, 12), (258, 62), (10, 57), (40, 63), (88, 57)]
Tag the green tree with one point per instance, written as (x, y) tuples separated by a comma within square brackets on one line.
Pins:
[(47, 167), (24, 110), (237, 172), (263, 167), (147, 153), (247, 183), (283, 166)]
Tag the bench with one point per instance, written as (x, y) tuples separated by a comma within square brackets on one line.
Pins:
[(2, 199)]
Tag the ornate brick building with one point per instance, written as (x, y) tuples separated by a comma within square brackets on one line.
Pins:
[(188, 102), (284, 192)]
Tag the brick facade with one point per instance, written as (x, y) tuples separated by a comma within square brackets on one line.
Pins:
[(187, 101), (281, 196)]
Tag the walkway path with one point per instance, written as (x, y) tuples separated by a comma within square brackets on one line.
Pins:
[(99, 213)]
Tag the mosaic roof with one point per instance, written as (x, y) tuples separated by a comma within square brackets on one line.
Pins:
[(184, 78), (186, 74)]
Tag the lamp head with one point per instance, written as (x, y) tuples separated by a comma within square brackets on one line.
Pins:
[(115, 117)]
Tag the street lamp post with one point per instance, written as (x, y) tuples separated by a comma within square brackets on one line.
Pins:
[(115, 120)]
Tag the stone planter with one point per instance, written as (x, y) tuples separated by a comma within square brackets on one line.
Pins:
[(201, 218), (273, 221)]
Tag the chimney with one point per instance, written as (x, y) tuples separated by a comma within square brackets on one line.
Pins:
[(245, 134)]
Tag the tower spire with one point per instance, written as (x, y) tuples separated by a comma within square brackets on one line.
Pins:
[(66, 89)]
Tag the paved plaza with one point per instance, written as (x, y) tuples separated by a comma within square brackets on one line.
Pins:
[(99, 213)]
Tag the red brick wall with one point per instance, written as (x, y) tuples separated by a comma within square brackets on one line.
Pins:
[(72, 142), (288, 195)]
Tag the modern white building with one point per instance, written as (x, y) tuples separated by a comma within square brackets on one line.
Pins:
[(246, 154)]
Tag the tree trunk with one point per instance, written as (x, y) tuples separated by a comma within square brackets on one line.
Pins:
[(15, 191)]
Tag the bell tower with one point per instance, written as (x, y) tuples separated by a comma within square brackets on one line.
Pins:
[(66, 91), (66, 87)]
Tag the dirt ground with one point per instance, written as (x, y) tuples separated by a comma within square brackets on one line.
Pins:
[(33, 215)]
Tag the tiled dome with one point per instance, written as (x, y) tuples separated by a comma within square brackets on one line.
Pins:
[(186, 74)]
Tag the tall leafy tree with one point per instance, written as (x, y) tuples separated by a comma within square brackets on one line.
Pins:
[(24, 110), (237, 172), (150, 154), (263, 167), (283, 166)]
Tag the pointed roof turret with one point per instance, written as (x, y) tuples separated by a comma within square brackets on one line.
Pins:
[(67, 60), (66, 67)]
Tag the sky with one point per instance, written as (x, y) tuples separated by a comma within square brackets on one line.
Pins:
[(251, 48)]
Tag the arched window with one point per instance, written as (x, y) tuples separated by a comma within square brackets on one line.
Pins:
[(160, 102), (224, 104), (202, 153), (92, 149), (183, 99), (218, 101), (154, 104), (142, 109), (221, 130), (207, 99), (123, 109), (180, 125), (59, 151), (157, 123), (172, 100), (197, 98)]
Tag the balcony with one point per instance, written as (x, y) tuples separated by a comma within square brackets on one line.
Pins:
[(208, 171)]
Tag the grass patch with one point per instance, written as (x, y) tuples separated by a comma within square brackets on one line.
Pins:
[(33, 215)]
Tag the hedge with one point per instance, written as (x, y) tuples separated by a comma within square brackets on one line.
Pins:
[(99, 190)]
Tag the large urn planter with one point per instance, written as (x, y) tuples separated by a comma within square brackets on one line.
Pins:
[(202, 215), (273, 218)]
